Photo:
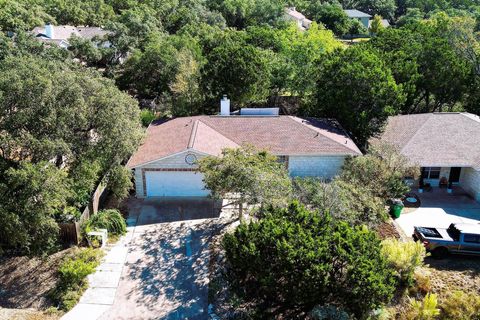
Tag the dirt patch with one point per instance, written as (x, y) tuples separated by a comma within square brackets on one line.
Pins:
[(387, 230), (26, 314), (25, 282), (455, 273)]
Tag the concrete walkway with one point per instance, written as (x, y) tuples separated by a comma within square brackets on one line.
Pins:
[(103, 284), (159, 270)]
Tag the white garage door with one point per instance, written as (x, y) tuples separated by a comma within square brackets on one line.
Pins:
[(174, 184)]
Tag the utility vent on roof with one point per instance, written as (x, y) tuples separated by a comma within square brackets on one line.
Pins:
[(259, 111)]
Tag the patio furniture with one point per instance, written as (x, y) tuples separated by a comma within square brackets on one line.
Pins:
[(443, 183)]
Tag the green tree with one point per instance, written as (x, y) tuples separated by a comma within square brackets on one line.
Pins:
[(243, 13), (357, 88), (17, 15), (30, 196), (382, 170), (345, 201), (332, 17), (376, 24), (238, 69), (246, 176), (298, 258)]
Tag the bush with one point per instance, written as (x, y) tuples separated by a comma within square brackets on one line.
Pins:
[(460, 306), (119, 181), (343, 200), (110, 219), (404, 257), (381, 170), (147, 116), (298, 257), (328, 313), (73, 272), (425, 309)]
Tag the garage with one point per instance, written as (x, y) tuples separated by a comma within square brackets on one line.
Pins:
[(174, 184)]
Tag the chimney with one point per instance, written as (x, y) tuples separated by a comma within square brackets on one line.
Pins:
[(49, 31), (225, 106)]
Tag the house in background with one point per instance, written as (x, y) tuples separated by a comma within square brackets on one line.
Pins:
[(60, 34), (166, 163), (302, 22), (363, 17), (445, 145)]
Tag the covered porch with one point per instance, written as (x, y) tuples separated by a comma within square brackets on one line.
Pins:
[(448, 180)]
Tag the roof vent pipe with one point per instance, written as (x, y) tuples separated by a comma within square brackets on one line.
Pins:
[(225, 106)]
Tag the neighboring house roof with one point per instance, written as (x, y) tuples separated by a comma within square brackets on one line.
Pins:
[(65, 32), (436, 139), (353, 13), (385, 23), (292, 12), (281, 135)]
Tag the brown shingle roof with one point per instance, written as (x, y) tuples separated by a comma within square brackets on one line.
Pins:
[(436, 139), (282, 135)]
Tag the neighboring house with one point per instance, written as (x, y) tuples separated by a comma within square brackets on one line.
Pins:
[(444, 145), (293, 15), (363, 17), (166, 163), (60, 34)]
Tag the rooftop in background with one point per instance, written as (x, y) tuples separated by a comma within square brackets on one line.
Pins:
[(447, 139), (61, 34), (281, 135), (353, 13)]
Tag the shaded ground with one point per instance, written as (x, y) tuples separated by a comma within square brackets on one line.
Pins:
[(25, 282), (165, 275)]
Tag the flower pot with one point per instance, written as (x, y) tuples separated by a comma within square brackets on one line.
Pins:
[(449, 190), (420, 190)]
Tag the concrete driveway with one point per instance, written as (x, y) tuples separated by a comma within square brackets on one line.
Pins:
[(440, 209), (165, 275)]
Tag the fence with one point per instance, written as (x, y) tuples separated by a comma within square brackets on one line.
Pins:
[(70, 232)]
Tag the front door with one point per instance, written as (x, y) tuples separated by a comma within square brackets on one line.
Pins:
[(454, 174)]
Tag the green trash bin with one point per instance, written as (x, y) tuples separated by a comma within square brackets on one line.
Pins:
[(396, 209)]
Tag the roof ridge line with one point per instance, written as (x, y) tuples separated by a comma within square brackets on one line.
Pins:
[(430, 115), (193, 134), (218, 132), (319, 132)]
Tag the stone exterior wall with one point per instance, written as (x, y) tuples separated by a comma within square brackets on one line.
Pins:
[(315, 166), (470, 182), (173, 162)]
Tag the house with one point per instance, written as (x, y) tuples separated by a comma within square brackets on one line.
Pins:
[(166, 163), (445, 145), (302, 22), (363, 17), (60, 34)]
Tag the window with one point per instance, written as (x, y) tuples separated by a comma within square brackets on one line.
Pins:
[(471, 238), (431, 172)]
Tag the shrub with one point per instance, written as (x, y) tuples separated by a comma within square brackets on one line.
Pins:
[(423, 284), (345, 201), (297, 257), (119, 181), (404, 257), (425, 309), (381, 170), (461, 306), (147, 116), (110, 219), (73, 272), (328, 313)]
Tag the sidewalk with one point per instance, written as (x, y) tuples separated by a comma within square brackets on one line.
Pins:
[(103, 284)]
